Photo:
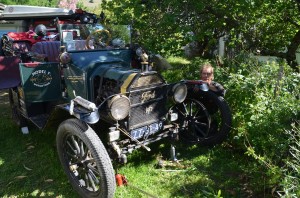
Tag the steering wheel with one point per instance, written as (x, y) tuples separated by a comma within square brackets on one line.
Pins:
[(100, 39)]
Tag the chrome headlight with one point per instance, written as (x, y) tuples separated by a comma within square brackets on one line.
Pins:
[(179, 92), (119, 107)]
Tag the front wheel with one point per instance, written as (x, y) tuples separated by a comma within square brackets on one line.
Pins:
[(85, 160), (220, 114), (194, 121)]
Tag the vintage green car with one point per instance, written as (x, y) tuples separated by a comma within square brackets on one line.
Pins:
[(68, 70)]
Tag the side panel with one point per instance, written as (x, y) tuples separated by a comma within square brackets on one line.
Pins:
[(75, 80), (41, 83)]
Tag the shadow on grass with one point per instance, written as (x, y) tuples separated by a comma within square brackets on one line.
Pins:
[(215, 170), (203, 172), (158, 149), (29, 165)]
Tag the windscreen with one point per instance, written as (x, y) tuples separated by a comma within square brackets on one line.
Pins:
[(94, 36)]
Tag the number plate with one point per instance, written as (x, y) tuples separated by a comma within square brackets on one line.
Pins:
[(146, 130)]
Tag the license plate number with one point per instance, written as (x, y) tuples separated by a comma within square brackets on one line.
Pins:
[(146, 130)]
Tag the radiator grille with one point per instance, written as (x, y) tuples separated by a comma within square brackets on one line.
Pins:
[(148, 97), (147, 113)]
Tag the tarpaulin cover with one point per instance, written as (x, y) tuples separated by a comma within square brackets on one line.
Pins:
[(9, 72), (24, 36)]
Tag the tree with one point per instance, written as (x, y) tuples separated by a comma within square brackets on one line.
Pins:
[(68, 4), (271, 27), (46, 3)]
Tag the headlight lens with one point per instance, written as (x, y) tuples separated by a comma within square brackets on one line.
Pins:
[(179, 92), (119, 107)]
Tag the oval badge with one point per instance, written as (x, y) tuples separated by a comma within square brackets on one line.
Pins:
[(41, 78)]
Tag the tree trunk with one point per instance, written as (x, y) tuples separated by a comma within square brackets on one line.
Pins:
[(292, 49)]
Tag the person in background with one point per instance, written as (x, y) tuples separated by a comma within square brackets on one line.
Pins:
[(207, 76)]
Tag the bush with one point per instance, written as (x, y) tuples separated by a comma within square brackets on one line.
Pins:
[(183, 69), (290, 184), (264, 100)]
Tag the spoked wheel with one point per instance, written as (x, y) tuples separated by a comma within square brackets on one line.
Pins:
[(194, 121), (220, 114), (85, 160), (15, 107)]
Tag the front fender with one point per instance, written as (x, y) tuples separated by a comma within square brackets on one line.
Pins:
[(62, 112)]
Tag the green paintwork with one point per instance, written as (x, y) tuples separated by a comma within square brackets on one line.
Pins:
[(75, 79), (41, 83)]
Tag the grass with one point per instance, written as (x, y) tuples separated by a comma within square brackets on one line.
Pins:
[(29, 167), (205, 172)]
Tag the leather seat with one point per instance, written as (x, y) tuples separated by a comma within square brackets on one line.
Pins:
[(48, 48)]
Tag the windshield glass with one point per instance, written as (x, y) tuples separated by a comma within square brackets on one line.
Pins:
[(94, 36)]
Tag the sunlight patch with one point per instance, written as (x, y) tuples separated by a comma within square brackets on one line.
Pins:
[(41, 193)]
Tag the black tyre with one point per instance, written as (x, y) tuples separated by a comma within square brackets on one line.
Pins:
[(220, 114), (194, 121), (85, 160), (15, 106)]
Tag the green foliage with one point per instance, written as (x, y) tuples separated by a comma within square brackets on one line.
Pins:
[(166, 26), (264, 100), (46, 3), (290, 183), (183, 69), (271, 27), (155, 24), (50, 3)]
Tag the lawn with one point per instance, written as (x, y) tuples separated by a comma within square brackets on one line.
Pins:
[(29, 167)]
